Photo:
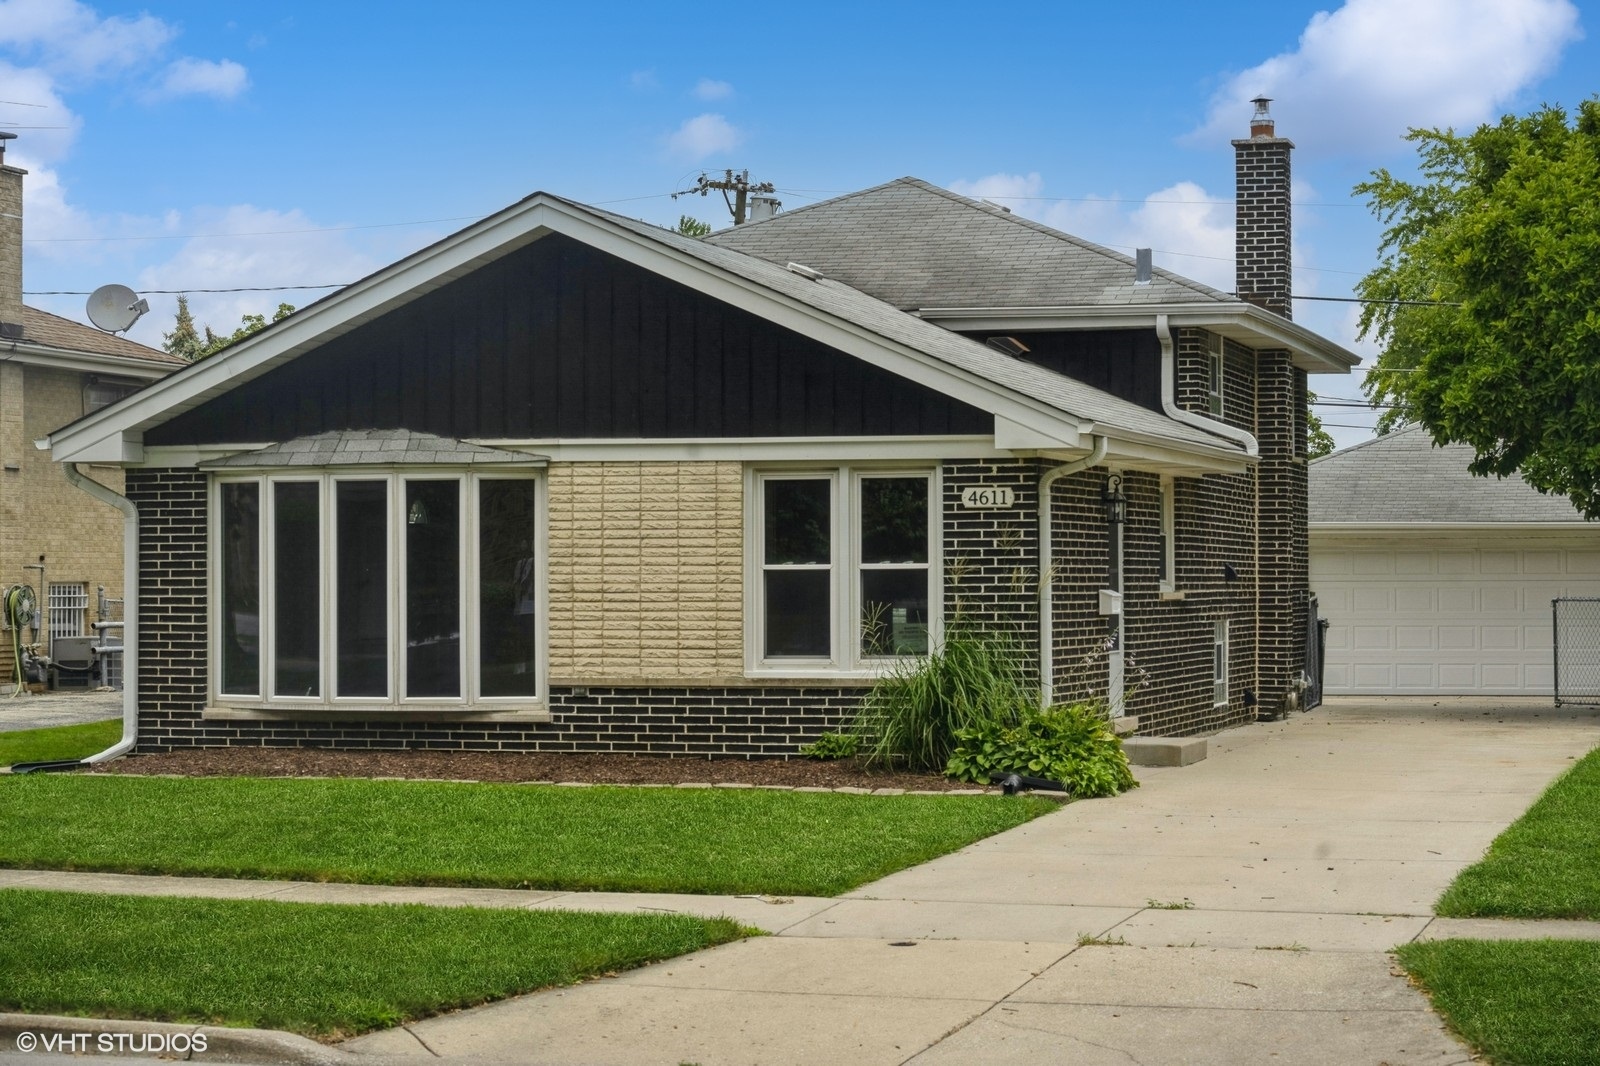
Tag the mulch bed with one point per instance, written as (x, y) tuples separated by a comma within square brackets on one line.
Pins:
[(513, 767)]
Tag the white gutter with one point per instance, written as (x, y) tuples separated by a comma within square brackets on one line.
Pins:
[(1169, 394), (1047, 579), (130, 610)]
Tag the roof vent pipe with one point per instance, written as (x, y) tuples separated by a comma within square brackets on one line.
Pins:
[(1141, 266)]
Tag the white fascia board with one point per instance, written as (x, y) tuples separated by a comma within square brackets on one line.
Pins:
[(1157, 458), (122, 366), (1243, 322), (757, 449)]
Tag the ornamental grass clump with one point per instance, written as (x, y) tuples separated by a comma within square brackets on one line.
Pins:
[(977, 677), (1072, 744)]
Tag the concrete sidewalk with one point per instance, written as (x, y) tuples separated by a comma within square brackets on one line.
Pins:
[(1244, 906)]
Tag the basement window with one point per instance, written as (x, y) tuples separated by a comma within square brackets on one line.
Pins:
[(1219, 664)]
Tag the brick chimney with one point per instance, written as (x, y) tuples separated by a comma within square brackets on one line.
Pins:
[(10, 238), (1261, 215)]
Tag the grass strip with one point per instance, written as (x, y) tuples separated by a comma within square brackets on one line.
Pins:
[(58, 742), (1519, 1002), (719, 841), (1547, 864), (313, 968)]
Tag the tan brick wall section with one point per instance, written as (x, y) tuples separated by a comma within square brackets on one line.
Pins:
[(40, 512), (646, 570)]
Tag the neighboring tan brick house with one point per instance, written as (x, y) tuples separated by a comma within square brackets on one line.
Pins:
[(53, 371), (569, 481)]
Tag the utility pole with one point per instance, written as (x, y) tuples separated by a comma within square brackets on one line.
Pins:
[(739, 185)]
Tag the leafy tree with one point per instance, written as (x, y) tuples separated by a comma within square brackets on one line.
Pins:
[(186, 341), (1488, 297), (692, 227), (1319, 442)]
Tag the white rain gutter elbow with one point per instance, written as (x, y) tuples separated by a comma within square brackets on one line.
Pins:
[(1047, 563), (130, 610), (1169, 397)]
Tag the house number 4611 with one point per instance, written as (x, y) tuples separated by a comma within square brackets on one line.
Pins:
[(980, 496)]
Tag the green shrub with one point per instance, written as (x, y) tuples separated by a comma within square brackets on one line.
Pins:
[(977, 677), (833, 746), (1070, 743)]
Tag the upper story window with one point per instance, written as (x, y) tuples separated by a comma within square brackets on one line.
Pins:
[(101, 392), (844, 565), (373, 590), (1214, 363)]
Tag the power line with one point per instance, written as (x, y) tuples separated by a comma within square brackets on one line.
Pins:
[(184, 292)]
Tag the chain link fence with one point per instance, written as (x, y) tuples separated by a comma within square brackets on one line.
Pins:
[(1577, 649)]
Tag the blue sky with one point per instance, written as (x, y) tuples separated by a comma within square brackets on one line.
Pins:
[(224, 144)]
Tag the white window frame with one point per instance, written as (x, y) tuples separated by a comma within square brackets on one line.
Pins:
[(1169, 534), (1219, 664), (1216, 367), (471, 698), (845, 658)]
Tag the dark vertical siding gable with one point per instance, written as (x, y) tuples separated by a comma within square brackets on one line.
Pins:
[(560, 340), (1123, 362)]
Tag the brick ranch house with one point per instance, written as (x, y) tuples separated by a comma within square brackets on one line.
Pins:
[(568, 481), (53, 370)]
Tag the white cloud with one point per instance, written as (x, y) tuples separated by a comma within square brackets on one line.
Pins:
[(223, 79), (1364, 74), (710, 89), (644, 80), (33, 86), (246, 246), (74, 42), (703, 136), (1002, 188)]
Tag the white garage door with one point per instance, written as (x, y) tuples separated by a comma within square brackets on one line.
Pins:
[(1444, 620)]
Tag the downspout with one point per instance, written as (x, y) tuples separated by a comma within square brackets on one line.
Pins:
[(130, 625), (1169, 397), (1047, 581)]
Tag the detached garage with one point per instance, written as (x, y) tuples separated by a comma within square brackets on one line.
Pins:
[(1435, 582)]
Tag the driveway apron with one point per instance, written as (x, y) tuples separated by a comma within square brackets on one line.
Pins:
[(1238, 910)]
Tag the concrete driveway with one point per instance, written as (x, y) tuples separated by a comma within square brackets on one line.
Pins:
[(55, 708), (1234, 911)]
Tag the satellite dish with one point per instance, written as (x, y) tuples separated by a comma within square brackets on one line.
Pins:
[(114, 308)]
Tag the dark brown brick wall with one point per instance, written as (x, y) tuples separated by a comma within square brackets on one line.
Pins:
[(1263, 223)]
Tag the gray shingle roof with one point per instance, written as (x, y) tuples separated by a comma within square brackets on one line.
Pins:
[(839, 299), (369, 447), (1403, 477), (915, 245)]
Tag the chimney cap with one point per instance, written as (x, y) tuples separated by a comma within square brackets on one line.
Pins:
[(1261, 124), (4, 137)]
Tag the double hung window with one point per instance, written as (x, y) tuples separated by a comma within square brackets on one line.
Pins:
[(1214, 367), (377, 589), (845, 567)]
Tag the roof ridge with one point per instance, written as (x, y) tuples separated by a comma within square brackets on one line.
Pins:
[(1378, 439), (747, 225)]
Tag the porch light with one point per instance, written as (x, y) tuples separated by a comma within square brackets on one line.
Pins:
[(1115, 502)]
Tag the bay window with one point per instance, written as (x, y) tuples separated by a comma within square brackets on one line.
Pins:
[(844, 569), (402, 590)]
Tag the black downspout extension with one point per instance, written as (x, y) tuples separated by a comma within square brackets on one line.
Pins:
[(49, 767)]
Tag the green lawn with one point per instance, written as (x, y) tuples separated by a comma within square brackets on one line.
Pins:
[(319, 969), (1522, 1002), (520, 836), (1547, 865), (58, 742)]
